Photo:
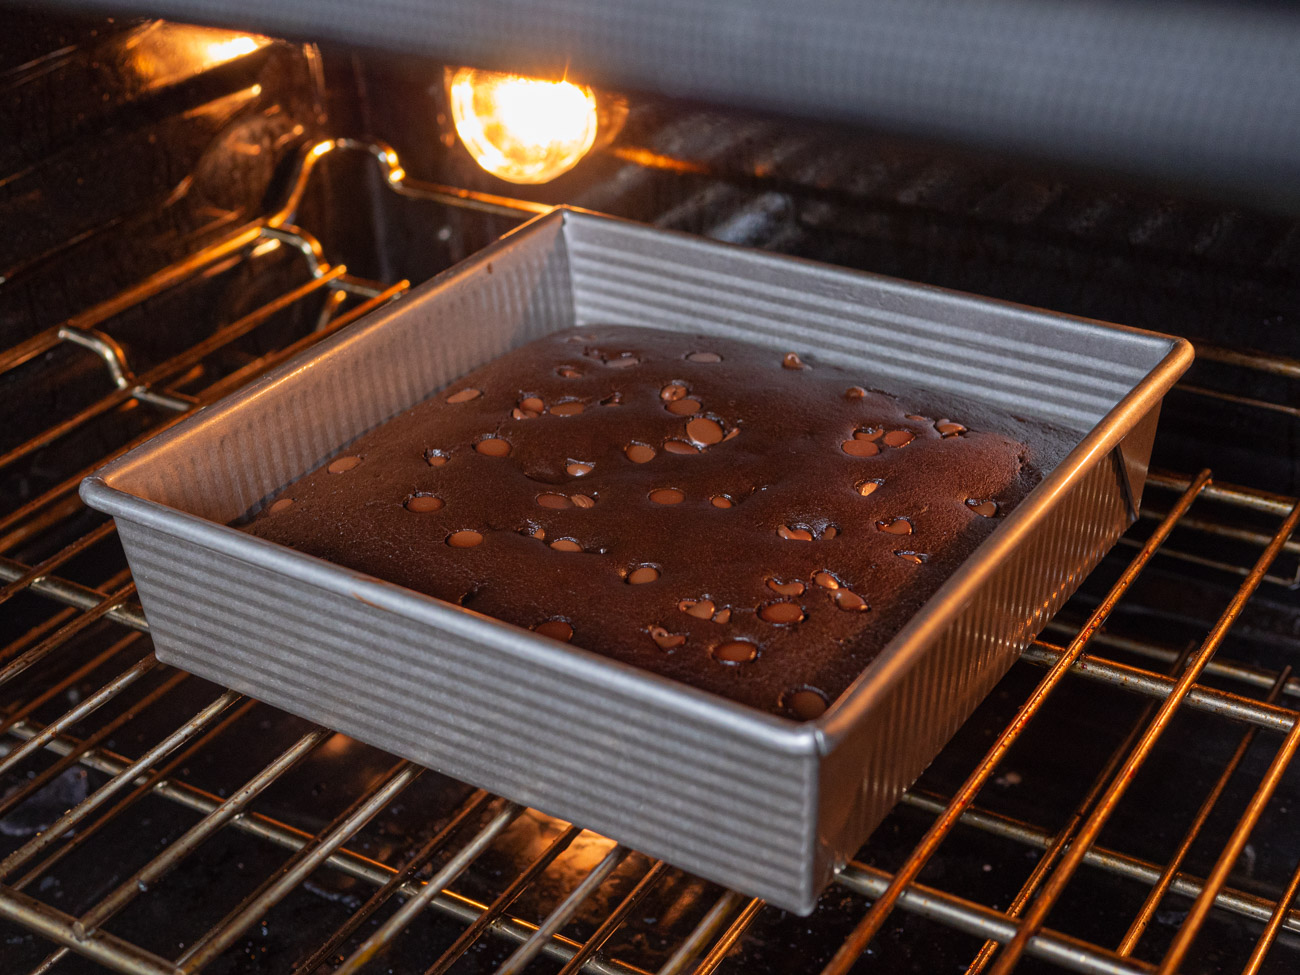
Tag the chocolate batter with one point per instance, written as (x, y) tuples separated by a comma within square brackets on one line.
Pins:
[(747, 522)]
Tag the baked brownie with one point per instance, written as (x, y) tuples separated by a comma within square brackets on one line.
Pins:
[(753, 524)]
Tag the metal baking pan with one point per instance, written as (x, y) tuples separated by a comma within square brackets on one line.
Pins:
[(760, 803)]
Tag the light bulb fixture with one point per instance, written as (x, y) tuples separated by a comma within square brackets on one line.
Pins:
[(524, 130)]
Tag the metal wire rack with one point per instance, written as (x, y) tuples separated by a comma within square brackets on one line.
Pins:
[(84, 643)]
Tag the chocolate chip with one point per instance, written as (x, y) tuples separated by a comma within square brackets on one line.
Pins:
[(859, 448), (465, 395), (830, 531), (576, 468), (639, 453), (792, 361), (281, 505), (567, 408), (855, 392), (895, 526), (701, 609), (735, 652), (493, 447), (532, 404), (899, 438), (435, 458), (795, 534), (849, 601), (804, 703), (826, 580), (343, 465), (672, 392), (680, 447), (705, 431), (781, 612), (555, 629), (466, 538), (665, 640), (423, 502), (948, 428), (866, 488), (986, 508), (684, 407), (786, 588), (667, 496), (704, 357), (538, 533), (721, 501), (566, 545), (643, 574), (868, 433), (722, 616)]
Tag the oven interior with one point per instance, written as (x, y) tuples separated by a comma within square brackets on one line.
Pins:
[(187, 207)]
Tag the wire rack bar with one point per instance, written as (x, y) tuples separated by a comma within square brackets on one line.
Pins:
[(1148, 909), (453, 868), (308, 857), (395, 883), (1088, 834), (856, 943)]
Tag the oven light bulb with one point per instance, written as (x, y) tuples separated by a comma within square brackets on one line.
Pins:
[(525, 130)]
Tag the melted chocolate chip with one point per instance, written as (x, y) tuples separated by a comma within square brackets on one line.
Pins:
[(866, 488), (639, 453), (423, 502), (554, 501), (343, 465), (949, 429), (895, 526), (781, 612), (985, 508), (568, 372), (664, 639), (735, 652), (721, 501), (704, 357), (642, 575), (532, 404), (435, 458), (899, 438), (684, 407), (493, 447), (680, 447), (672, 392), (282, 504), (916, 557), (859, 448), (786, 588), (804, 703), (465, 395), (705, 431), (466, 538), (826, 580), (566, 545), (576, 468), (667, 496), (855, 392), (795, 534), (849, 601), (701, 609), (792, 361), (722, 616), (555, 629), (583, 501), (567, 408)]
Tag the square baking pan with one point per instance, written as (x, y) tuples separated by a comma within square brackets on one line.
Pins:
[(763, 804)]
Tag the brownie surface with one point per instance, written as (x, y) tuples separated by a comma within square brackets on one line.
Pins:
[(755, 525)]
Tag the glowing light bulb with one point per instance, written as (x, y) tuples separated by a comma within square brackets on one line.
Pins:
[(525, 130)]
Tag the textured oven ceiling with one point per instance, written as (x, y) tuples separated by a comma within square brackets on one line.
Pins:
[(1202, 91)]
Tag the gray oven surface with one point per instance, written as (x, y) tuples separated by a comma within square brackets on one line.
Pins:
[(192, 208)]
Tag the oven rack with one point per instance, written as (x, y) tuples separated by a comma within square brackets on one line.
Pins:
[(1175, 684)]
